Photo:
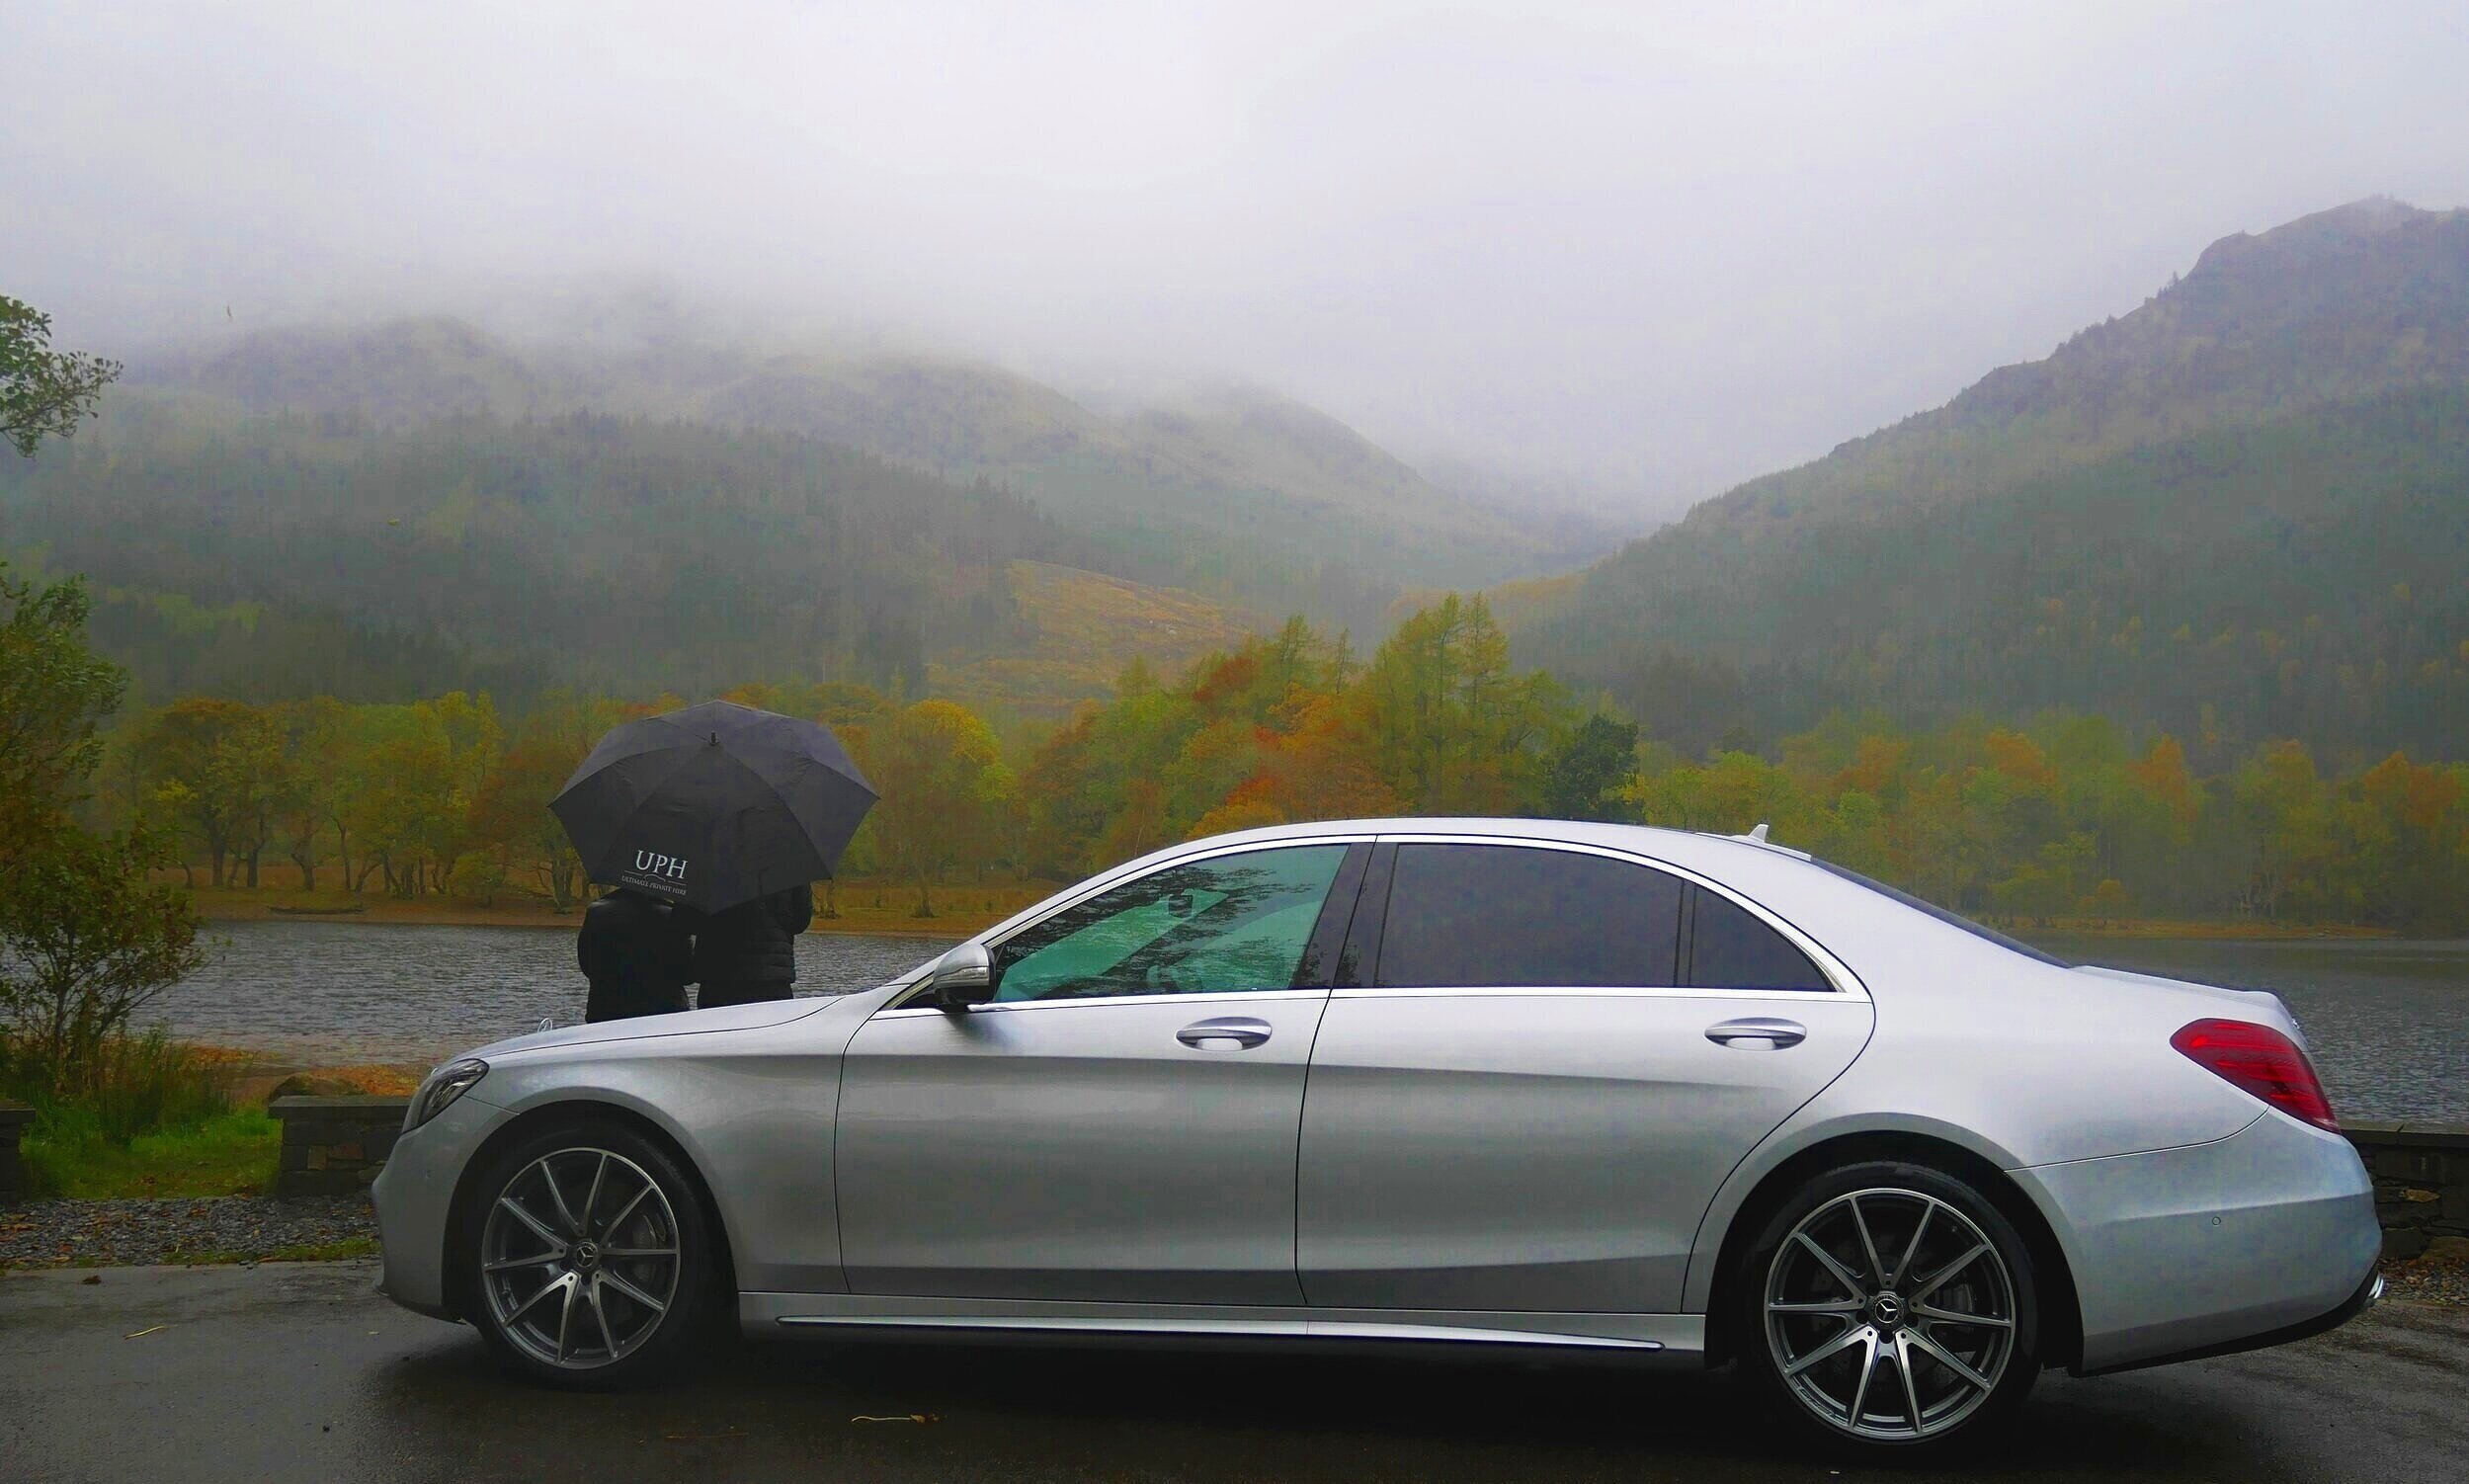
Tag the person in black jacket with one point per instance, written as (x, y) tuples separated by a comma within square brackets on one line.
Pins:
[(639, 953), (749, 952)]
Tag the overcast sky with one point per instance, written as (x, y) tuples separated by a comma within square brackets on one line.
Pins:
[(1652, 248)]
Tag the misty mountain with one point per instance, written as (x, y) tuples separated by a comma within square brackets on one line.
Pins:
[(2241, 510), (1254, 498), (288, 555)]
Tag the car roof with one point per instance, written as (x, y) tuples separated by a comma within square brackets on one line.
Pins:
[(1686, 848)]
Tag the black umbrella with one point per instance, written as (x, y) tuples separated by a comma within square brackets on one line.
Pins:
[(713, 805)]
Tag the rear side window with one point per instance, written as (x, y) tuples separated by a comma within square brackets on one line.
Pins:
[(1464, 916), (1728, 948)]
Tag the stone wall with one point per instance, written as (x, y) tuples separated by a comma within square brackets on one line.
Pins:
[(334, 1146), (13, 1121), (2422, 1185)]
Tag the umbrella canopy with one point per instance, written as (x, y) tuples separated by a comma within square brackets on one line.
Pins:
[(713, 805)]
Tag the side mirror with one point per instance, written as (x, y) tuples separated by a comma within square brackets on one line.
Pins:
[(963, 977)]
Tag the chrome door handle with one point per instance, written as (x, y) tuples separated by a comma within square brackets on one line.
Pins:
[(1759, 1033), (1233, 1033)]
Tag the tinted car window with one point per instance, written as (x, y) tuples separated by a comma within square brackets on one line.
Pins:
[(1729, 949), (1471, 915), (1232, 923)]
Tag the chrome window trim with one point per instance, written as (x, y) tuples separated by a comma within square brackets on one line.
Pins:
[(1847, 985), (1002, 932), (1586, 992), (1014, 1007)]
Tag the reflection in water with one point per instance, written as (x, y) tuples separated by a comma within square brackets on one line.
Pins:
[(2387, 1020), (392, 992)]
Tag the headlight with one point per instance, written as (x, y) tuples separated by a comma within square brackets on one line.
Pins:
[(444, 1086)]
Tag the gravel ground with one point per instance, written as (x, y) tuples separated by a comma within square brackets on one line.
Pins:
[(60, 1233), (2427, 1280)]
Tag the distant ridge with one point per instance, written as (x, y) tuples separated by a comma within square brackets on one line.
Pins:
[(1251, 497), (2287, 419)]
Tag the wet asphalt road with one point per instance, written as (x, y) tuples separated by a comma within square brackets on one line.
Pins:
[(300, 1373)]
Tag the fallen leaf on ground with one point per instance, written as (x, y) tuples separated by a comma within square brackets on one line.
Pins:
[(91, 1277)]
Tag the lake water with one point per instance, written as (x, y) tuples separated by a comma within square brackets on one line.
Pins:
[(328, 992), (2389, 1021)]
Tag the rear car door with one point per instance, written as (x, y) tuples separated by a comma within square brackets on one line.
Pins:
[(1539, 1064), (1119, 1123)]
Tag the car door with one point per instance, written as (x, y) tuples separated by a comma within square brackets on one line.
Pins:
[(1539, 1063), (1120, 1123)]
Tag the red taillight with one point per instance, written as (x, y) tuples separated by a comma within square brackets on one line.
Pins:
[(2261, 1060)]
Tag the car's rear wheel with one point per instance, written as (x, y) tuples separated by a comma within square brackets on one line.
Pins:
[(592, 1260), (1890, 1306)]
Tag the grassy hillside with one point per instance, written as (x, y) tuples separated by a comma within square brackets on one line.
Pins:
[(1087, 627), (2294, 577), (2240, 512), (1251, 498), (281, 557)]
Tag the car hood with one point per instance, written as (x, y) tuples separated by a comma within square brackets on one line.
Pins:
[(750, 1016)]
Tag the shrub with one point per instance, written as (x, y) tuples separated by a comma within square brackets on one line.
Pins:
[(134, 1088)]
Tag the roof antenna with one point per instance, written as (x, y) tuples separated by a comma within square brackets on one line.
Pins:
[(1758, 834)]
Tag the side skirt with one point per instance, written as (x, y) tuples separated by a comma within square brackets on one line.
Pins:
[(1675, 1339)]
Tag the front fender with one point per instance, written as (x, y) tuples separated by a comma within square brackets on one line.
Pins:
[(751, 1112)]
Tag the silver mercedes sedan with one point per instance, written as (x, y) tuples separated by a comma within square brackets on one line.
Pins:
[(1560, 1089)]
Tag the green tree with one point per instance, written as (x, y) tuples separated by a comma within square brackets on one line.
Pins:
[(1589, 774), (1456, 728), (44, 392), (53, 690), (219, 772), (946, 794), (84, 938), (85, 941)]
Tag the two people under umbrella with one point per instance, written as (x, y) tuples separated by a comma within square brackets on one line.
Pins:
[(640, 953), (698, 818)]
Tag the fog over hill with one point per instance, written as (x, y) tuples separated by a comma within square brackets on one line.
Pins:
[(1626, 254), (1239, 493), (2238, 512)]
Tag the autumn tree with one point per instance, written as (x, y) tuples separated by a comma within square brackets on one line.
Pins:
[(946, 795), (219, 772)]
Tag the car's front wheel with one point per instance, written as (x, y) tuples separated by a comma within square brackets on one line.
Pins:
[(1890, 1306), (592, 1262)]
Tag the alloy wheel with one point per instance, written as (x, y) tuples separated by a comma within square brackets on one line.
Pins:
[(579, 1258), (1890, 1315)]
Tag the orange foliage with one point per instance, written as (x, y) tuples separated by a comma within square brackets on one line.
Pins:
[(2420, 798), (1875, 766), (2019, 758), (2163, 775)]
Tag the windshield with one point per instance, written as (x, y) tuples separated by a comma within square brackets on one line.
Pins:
[(1950, 918)]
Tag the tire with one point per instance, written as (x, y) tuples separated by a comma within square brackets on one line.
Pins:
[(1931, 1357), (592, 1264)]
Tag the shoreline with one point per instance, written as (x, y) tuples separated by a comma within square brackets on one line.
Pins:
[(960, 923), (234, 907)]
